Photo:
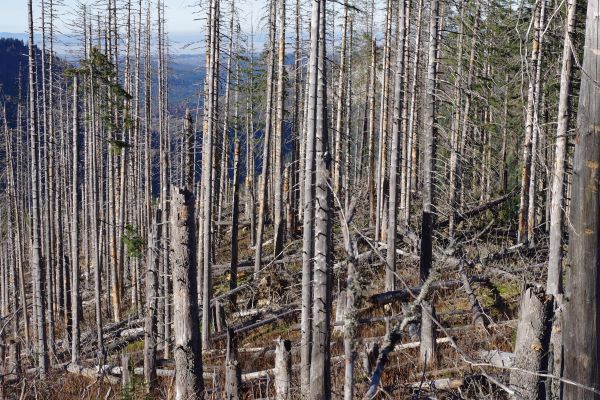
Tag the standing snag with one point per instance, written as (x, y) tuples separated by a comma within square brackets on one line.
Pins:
[(187, 349)]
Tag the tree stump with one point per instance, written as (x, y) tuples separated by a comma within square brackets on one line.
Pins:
[(283, 369), (531, 348)]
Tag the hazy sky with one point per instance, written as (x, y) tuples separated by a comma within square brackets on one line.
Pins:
[(182, 17)]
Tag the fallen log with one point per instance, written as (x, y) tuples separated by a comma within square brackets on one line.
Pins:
[(97, 373), (408, 294), (459, 217), (439, 384), (497, 358), (473, 302), (245, 328)]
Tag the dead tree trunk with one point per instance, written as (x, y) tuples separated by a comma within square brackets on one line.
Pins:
[(390, 272), (531, 346), (75, 200), (554, 281), (37, 263), (279, 221), (532, 98), (427, 349), (308, 206), (150, 328), (263, 200), (580, 342), (188, 352), (320, 368), (233, 373), (283, 369)]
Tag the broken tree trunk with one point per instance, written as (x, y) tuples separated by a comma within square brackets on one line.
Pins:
[(233, 373), (478, 316), (283, 369), (532, 343), (188, 353)]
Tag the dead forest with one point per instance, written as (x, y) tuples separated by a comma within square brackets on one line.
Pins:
[(391, 199)]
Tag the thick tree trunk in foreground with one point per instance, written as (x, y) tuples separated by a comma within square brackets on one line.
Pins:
[(582, 292), (188, 352), (320, 368)]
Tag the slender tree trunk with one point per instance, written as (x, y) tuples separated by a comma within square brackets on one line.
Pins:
[(554, 284), (383, 128), (412, 143), (262, 208), (150, 328), (37, 263), (390, 272), (279, 221), (207, 155), (427, 349), (337, 153), (75, 203), (523, 231)]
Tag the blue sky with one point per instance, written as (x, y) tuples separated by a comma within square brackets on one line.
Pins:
[(182, 16)]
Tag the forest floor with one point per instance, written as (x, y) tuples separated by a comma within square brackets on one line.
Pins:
[(498, 271)]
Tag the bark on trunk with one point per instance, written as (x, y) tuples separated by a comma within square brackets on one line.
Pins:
[(531, 347), (188, 352)]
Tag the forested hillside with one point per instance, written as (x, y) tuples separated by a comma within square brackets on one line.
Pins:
[(391, 199)]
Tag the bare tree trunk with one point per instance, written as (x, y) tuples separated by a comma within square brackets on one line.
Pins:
[(279, 221), (531, 345), (233, 373), (581, 348), (337, 151), (188, 166), (262, 208), (383, 128), (188, 352), (207, 156), (150, 328), (455, 129), (309, 204), (37, 263), (554, 284), (283, 369), (371, 122), (536, 136), (320, 368), (75, 203), (390, 272), (529, 127), (412, 143), (427, 350)]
